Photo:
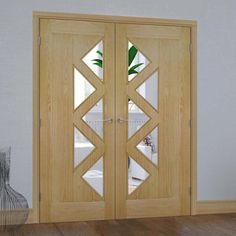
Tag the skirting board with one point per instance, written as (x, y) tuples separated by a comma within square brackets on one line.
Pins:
[(215, 207), (31, 218)]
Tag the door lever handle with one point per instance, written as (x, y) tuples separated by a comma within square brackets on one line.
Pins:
[(121, 120), (108, 120)]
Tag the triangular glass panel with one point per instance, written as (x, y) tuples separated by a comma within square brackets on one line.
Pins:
[(136, 61), (136, 175), (151, 84), (94, 118), (82, 147), (94, 176), (136, 118), (94, 60), (149, 146), (82, 88)]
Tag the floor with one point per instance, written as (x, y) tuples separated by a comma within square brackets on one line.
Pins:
[(208, 225)]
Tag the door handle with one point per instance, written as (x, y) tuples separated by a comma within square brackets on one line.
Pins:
[(121, 120), (108, 120)]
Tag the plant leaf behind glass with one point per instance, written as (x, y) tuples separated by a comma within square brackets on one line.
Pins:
[(132, 54)]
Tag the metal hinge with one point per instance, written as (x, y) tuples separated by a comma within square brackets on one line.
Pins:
[(190, 124), (190, 47), (40, 123), (40, 196), (39, 40), (190, 191)]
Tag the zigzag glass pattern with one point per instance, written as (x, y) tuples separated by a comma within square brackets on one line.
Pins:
[(149, 146), (151, 84), (136, 175), (82, 88), (82, 147), (94, 177), (94, 60)]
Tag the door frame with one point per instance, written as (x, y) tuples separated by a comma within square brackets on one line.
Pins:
[(34, 211)]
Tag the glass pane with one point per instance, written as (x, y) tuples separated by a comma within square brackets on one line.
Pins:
[(149, 146), (94, 60), (136, 117), (149, 90), (94, 176), (82, 88), (82, 147), (136, 61), (136, 175), (94, 118)]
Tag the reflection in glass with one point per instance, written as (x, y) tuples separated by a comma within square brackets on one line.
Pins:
[(94, 176), (149, 90), (149, 146), (82, 147), (136, 118), (94, 60), (82, 88), (94, 118), (136, 175), (136, 61)]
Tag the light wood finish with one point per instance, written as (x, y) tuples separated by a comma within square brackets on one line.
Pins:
[(166, 191), (193, 119), (34, 212), (65, 195), (115, 19), (215, 207)]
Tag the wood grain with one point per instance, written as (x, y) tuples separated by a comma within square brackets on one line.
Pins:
[(207, 225), (66, 196), (166, 191)]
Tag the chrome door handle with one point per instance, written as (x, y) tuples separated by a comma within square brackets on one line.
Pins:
[(121, 120), (108, 120)]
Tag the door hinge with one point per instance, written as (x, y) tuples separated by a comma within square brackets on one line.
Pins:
[(190, 191), (190, 47), (40, 123), (39, 40), (40, 196), (190, 124)]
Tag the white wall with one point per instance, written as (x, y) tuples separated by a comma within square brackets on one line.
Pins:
[(216, 81)]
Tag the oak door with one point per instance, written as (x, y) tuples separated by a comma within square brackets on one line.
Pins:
[(153, 115), (115, 112), (76, 111)]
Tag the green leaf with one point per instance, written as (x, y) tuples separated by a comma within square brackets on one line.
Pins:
[(132, 69), (99, 52), (132, 53), (97, 62), (132, 72)]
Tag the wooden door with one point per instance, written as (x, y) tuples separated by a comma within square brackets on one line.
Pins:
[(153, 121), (76, 111)]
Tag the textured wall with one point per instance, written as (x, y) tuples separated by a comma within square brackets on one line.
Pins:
[(216, 81)]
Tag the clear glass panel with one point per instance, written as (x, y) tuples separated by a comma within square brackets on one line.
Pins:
[(94, 118), (94, 176), (136, 175), (94, 60), (82, 88), (82, 147), (149, 90), (149, 146), (136, 118), (136, 61)]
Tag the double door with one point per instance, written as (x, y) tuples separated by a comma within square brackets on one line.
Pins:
[(115, 111)]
